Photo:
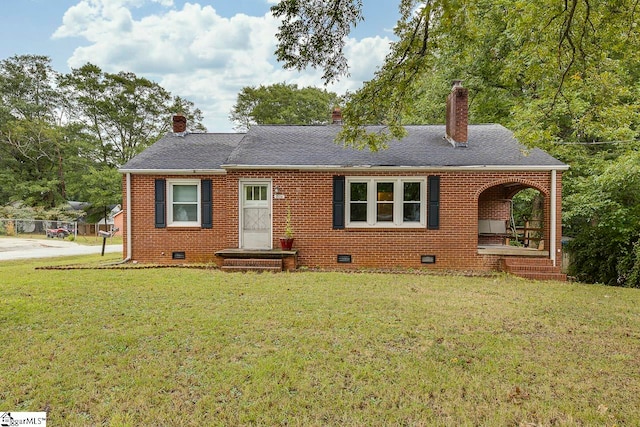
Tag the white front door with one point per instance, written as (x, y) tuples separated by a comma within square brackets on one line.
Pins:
[(255, 215)]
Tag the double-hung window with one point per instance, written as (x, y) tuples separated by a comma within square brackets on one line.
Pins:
[(183, 203), (385, 202)]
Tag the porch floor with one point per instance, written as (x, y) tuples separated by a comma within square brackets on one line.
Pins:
[(511, 251)]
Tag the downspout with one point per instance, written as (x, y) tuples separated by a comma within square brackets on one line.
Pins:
[(128, 197), (129, 216), (553, 218)]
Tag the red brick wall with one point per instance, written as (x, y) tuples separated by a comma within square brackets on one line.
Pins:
[(309, 195)]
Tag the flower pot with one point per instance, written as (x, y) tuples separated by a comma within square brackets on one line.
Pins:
[(286, 243)]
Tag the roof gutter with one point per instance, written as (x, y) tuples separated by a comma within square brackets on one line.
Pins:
[(357, 168), (173, 171)]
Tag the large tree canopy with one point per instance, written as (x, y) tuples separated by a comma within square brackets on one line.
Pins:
[(551, 70), (282, 103), (123, 112), (313, 34), (62, 137)]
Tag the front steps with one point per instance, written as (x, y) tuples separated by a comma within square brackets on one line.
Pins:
[(252, 264), (234, 259), (533, 268)]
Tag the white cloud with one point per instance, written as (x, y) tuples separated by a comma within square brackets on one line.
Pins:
[(197, 54)]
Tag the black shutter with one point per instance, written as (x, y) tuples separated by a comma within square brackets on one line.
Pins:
[(433, 206), (338, 202), (161, 195), (206, 202)]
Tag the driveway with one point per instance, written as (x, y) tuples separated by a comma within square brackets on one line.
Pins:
[(11, 248)]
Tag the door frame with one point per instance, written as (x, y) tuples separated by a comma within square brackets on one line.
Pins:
[(241, 185)]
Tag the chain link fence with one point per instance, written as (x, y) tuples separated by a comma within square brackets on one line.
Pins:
[(50, 228)]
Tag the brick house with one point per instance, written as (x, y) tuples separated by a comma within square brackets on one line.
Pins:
[(439, 198)]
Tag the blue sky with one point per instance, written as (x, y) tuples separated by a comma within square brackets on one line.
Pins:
[(202, 50)]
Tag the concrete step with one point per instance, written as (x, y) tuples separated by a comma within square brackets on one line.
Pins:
[(251, 264), (560, 277), (240, 268), (533, 268), (527, 261)]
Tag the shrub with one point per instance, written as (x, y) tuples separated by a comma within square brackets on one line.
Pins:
[(10, 228)]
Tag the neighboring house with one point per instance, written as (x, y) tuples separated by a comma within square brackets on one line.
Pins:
[(118, 223), (439, 198), (109, 223)]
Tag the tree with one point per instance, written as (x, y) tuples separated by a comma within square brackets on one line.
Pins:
[(550, 70), (62, 137), (313, 34), (27, 88), (124, 113), (30, 142), (602, 213), (282, 103)]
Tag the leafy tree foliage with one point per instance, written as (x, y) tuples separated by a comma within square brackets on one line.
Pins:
[(282, 103), (62, 137), (124, 113), (602, 212), (313, 33), (30, 143), (550, 70)]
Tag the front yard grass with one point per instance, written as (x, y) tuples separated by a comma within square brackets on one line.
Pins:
[(201, 347)]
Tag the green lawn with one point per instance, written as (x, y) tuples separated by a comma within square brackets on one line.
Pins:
[(200, 347)]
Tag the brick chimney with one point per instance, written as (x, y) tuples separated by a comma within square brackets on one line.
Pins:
[(179, 123), (336, 116), (457, 115)]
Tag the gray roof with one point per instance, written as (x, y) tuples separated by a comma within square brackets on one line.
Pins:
[(315, 146), (194, 151)]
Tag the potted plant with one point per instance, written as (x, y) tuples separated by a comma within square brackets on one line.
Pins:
[(286, 242)]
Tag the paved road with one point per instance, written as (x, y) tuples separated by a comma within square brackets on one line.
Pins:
[(11, 248)]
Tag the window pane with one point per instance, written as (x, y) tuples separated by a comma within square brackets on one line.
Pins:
[(385, 212), (263, 192), (358, 212), (358, 191), (385, 191), (411, 191), (185, 193), (411, 212), (184, 212)]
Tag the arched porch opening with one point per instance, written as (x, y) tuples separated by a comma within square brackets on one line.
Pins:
[(513, 219)]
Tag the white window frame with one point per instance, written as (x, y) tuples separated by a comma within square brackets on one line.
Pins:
[(398, 202), (170, 221)]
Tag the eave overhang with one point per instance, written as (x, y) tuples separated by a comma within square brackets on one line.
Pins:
[(356, 168), (174, 171)]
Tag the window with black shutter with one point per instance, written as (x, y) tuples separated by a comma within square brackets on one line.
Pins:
[(160, 203), (433, 206), (338, 202)]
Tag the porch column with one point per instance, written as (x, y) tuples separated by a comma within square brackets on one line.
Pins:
[(553, 218)]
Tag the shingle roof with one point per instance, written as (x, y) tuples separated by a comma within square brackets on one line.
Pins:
[(195, 151), (278, 146)]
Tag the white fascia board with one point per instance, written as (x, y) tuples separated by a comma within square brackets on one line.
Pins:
[(174, 171), (491, 168)]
